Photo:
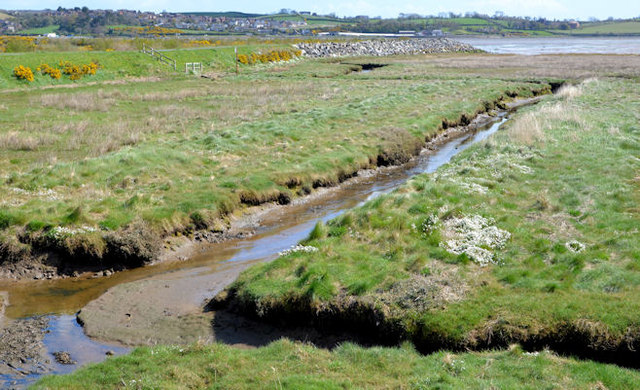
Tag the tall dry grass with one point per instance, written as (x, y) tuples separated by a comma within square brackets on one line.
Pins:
[(20, 142), (530, 128), (80, 101)]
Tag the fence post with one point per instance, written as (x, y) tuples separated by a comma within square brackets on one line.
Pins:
[(235, 49)]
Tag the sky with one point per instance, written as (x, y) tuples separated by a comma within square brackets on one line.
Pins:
[(551, 9)]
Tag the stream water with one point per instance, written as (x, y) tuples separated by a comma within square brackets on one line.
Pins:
[(281, 229)]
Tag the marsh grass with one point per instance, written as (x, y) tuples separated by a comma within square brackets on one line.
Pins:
[(287, 365), (187, 146), (558, 179)]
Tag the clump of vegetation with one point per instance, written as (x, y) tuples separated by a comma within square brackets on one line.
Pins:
[(54, 73), (270, 56), (76, 72), (204, 42), (23, 73)]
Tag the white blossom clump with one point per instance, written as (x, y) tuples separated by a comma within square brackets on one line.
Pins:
[(60, 232), (429, 223), (298, 248), (575, 246), (471, 235)]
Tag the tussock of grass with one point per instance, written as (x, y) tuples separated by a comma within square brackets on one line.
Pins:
[(76, 101), (18, 142)]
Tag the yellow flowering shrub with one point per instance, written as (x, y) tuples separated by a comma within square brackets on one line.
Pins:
[(243, 59), (271, 56), (203, 42), (55, 73), (75, 72), (45, 69), (23, 73)]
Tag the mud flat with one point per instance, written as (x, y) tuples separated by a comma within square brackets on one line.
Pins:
[(22, 352)]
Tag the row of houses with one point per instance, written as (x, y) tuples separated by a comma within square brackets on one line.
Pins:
[(238, 25), (26, 19)]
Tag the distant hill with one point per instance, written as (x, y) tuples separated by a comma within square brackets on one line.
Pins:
[(4, 16)]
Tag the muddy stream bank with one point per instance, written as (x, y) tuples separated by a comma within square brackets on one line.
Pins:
[(164, 303)]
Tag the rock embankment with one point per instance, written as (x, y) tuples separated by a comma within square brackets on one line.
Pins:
[(384, 47)]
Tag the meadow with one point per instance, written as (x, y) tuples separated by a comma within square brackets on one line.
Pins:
[(529, 238), (607, 28), (185, 153)]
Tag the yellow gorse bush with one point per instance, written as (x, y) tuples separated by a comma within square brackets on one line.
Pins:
[(203, 42), (23, 73), (45, 69), (75, 72), (271, 56), (243, 59)]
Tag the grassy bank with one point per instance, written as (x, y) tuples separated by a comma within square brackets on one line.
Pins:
[(530, 238), (185, 153), (120, 65), (287, 365)]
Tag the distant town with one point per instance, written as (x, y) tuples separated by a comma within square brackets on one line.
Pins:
[(86, 22)]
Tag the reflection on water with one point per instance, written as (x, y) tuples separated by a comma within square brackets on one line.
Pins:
[(64, 334), (555, 45)]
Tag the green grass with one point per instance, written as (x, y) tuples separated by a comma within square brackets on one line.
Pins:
[(606, 28), (4, 16), (40, 30), (562, 172), (188, 146), (120, 64), (287, 365)]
